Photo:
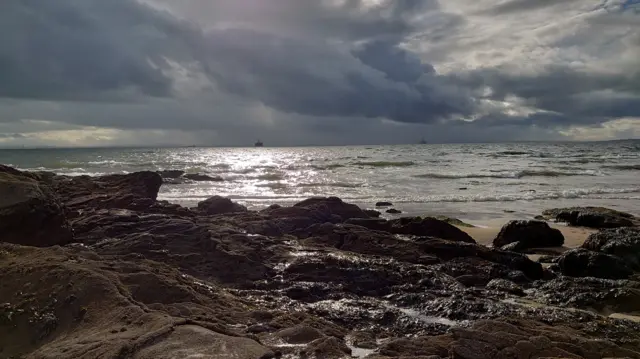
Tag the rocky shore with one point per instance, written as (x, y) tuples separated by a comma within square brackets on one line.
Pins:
[(97, 267)]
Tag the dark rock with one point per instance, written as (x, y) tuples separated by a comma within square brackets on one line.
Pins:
[(220, 205), (135, 191), (449, 250), (584, 263), (415, 226), (454, 221), (503, 285), (593, 217), (372, 213), (384, 204), (393, 211), (202, 177), (547, 259), (540, 218), (333, 206), (517, 247), (606, 295), (623, 243), (376, 224), (300, 334), (170, 174), (330, 347), (530, 234), (430, 227), (30, 213)]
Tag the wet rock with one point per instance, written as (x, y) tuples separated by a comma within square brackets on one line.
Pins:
[(220, 205), (372, 213), (300, 334), (448, 250), (584, 263), (430, 227), (623, 243), (170, 174), (331, 347), (155, 304), (376, 224), (384, 204), (364, 339), (454, 221), (30, 213), (333, 206), (428, 346), (506, 286), (192, 341), (517, 247), (593, 217), (530, 234), (393, 211), (135, 191), (202, 177), (610, 296), (547, 259)]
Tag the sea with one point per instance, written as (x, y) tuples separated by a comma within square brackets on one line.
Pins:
[(476, 182)]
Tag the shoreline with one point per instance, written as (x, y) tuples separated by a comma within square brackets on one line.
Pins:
[(102, 257)]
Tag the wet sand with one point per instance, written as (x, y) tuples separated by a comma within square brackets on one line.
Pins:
[(485, 233)]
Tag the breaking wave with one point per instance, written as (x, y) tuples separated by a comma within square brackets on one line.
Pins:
[(624, 167), (385, 163), (332, 184), (532, 196), (514, 175)]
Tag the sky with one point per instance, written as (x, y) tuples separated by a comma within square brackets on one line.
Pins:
[(322, 72)]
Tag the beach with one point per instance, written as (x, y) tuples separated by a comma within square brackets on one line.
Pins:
[(103, 266)]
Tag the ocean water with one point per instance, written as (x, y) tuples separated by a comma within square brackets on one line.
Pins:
[(470, 181)]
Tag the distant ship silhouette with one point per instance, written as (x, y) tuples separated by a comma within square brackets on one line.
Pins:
[(259, 144), (423, 142)]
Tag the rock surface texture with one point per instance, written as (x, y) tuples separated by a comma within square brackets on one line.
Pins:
[(528, 234), (127, 276), (593, 217)]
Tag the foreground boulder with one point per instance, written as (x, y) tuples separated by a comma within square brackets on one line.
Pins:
[(584, 263), (528, 234), (61, 303), (623, 243), (593, 217), (30, 214), (220, 205)]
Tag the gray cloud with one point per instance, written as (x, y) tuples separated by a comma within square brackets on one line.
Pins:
[(316, 67), (516, 6), (83, 50)]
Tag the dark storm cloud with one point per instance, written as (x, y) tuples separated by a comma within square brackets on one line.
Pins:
[(333, 65), (83, 49), (96, 50), (568, 96), (515, 6), (320, 80)]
